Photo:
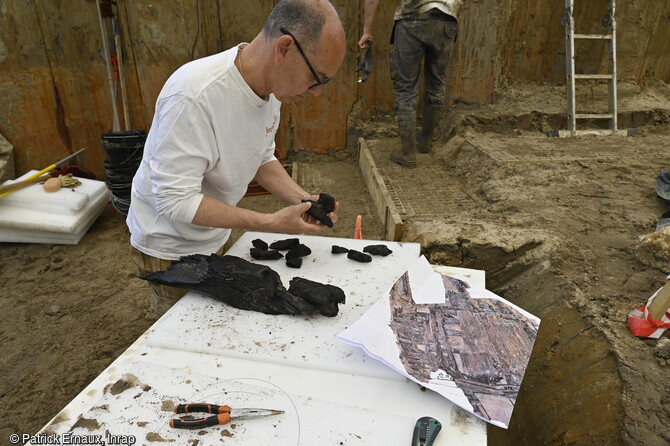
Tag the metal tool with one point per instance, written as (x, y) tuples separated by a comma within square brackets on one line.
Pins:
[(425, 431), (366, 62), (224, 414), (48, 168)]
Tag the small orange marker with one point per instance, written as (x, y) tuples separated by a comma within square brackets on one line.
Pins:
[(358, 234)]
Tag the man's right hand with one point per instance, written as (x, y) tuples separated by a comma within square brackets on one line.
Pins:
[(289, 220), (365, 40)]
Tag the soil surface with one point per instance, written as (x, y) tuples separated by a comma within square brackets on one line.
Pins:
[(555, 230)]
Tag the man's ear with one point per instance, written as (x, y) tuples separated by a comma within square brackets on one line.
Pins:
[(281, 48)]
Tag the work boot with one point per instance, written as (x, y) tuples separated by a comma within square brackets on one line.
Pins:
[(407, 129), (431, 113)]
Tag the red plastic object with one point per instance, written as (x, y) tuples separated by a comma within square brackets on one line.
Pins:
[(358, 230)]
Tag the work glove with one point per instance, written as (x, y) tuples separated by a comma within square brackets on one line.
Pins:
[(365, 63)]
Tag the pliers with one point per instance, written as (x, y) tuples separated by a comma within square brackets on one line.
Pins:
[(224, 414)]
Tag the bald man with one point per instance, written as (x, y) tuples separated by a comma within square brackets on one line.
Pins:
[(213, 133)]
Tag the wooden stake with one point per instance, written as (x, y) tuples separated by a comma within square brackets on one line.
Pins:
[(661, 303)]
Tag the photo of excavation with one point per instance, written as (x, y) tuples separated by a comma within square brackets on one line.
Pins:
[(524, 143), (481, 345)]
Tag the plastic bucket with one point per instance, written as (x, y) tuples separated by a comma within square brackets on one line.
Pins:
[(123, 147)]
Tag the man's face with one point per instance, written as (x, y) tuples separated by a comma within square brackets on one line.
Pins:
[(304, 73)]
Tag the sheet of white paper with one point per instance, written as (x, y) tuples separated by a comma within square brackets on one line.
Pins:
[(426, 284), (473, 348)]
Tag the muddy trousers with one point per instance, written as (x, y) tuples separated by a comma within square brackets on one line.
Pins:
[(162, 297), (427, 38)]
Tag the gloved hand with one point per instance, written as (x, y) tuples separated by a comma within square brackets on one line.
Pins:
[(366, 63)]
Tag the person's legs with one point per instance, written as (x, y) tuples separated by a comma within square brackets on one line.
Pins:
[(405, 62), (162, 297), (438, 38)]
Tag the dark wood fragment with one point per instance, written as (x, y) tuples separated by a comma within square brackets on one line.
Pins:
[(265, 254), (358, 256), (338, 250), (293, 262), (321, 208), (323, 296), (260, 244), (327, 202), (248, 286), (299, 250), (377, 250), (284, 245)]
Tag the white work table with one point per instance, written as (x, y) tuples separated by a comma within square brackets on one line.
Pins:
[(332, 393)]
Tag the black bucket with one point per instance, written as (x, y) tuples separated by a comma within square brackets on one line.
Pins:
[(124, 147), (124, 154)]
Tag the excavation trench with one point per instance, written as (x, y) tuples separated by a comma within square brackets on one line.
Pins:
[(554, 223), (571, 392)]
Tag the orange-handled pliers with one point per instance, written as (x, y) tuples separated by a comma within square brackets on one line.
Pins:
[(224, 414)]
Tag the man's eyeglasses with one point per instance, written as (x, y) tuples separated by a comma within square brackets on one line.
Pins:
[(318, 80)]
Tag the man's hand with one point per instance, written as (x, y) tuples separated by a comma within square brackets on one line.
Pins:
[(365, 40), (313, 221), (291, 220)]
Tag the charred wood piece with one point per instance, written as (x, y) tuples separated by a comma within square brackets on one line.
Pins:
[(284, 245), (321, 208), (242, 284), (377, 250), (299, 250), (265, 254), (293, 262), (323, 296), (338, 250), (358, 256), (260, 244)]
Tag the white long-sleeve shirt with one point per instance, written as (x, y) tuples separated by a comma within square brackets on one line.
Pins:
[(209, 136)]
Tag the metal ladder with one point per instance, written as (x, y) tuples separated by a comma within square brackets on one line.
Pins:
[(609, 22)]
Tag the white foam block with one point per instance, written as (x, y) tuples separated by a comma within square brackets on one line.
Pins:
[(27, 215)]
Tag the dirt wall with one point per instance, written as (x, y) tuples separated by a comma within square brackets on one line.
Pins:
[(56, 98)]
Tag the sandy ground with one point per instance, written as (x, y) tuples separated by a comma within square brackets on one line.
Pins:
[(558, 237)]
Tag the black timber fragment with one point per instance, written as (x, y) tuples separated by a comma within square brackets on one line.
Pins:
[(299, 250), (234, 281), (322, 296), (263, 254), (321, 208), (338, 250), (260, 244), (293, 262), (358, 256), (284, 245), (378, 250)]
